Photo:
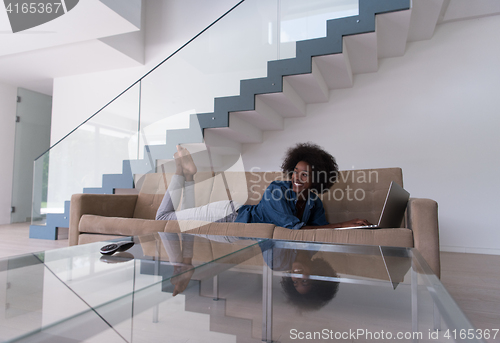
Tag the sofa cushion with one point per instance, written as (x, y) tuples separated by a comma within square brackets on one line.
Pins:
[(236, 229), (399, 237), (151, 194), (154, 187), (237, 183), (251, 257), (246, 187), (178, 226), (85, 238), (120, 226), (366, 265), (160, 246)]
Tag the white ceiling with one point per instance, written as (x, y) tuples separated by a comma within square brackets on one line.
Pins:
[(71, 44), (74, 26), (66, 46)]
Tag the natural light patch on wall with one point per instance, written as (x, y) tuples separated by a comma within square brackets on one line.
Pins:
[(155, 133), (301, 20), (307, 20)]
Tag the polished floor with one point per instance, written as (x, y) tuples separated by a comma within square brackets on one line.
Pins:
[(474, 282), (14, 240), (472, 279)]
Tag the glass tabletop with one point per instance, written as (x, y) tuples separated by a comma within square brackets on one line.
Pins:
[(193, 288), (349, 293)]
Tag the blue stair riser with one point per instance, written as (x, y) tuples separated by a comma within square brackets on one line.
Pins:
[(54, 221)]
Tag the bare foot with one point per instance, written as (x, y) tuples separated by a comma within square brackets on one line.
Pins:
[(182, 277), (178, 162), (188, 166)]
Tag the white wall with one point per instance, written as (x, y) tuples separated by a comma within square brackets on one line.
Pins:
[(169, 24), (435, 112), (8, 96)]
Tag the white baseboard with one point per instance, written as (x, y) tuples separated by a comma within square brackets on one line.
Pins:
[(485, 251)]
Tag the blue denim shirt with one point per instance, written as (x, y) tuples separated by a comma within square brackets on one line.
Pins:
[(278, 207)]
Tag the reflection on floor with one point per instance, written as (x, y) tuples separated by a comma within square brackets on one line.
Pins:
[(473, 280)]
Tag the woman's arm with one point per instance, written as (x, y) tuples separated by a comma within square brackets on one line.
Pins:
[(353, 222)]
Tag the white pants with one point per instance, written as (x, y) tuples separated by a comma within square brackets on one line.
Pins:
[(220, 211)]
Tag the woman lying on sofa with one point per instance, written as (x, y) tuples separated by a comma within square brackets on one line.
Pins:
[(293, 204)]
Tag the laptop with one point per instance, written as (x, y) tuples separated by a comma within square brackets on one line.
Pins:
[(393, 210)]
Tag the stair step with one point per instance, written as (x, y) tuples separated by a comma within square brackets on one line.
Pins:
[(53, 221), (336, 69), (229, 325), (117, 180), (312, 87), (221, 145), (287, 103), (203, 158), (392, 33), (263, 117), (424, 18), (143, 166), (219, 320), (240, 131), (362, 51)]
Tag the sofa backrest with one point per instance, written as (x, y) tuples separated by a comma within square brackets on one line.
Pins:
[(246, 187), (357, 194), (154, 186)]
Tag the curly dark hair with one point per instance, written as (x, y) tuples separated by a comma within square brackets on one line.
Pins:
[(321, 291), (324, 167)]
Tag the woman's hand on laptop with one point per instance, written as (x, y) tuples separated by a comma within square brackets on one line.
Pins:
[(355, 222), (349, 223)]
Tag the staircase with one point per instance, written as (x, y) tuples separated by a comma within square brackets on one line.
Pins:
[(353, 45), (222, 315)]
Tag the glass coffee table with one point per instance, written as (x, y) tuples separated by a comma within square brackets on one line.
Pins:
[(191, 288)]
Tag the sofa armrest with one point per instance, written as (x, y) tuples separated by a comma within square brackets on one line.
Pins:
[(108, 205), (423, 221)]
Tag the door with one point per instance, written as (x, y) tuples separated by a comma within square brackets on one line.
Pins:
[(32, 139)]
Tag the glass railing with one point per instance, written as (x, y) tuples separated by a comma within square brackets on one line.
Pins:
[(158, 109)]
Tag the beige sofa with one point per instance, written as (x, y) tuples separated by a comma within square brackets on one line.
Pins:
[(358, 194)]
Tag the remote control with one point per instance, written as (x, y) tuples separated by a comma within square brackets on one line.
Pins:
[(110, 249)]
